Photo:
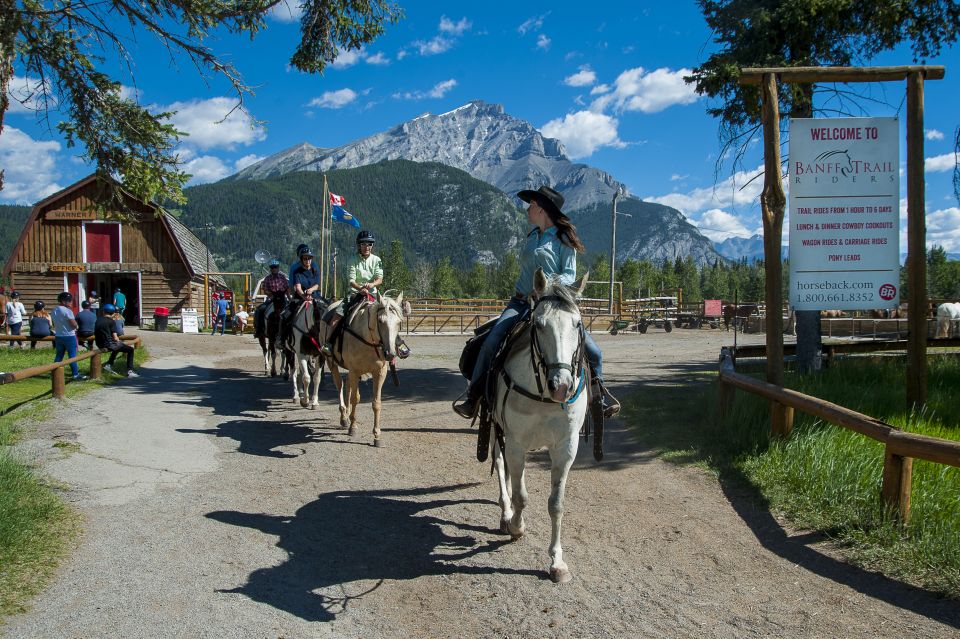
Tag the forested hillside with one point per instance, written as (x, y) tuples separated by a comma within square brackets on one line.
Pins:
[(12, 219), (435, 210)]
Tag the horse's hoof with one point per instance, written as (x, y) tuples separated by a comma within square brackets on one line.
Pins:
[(344, 423), (505, 527), (378, 443), (560, 575), (353, 431), (304, 402), (313, 407)]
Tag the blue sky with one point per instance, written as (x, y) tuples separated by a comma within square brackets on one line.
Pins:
[(606, 81)]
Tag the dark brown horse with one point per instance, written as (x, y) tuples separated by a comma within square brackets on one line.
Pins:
[(738, 314)]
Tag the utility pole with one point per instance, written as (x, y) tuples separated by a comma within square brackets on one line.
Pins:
[(613, 246)]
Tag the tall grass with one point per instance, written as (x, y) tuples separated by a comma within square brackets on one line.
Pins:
[(827, 478)]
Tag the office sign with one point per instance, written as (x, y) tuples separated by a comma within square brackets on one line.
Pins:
[(844, 213)]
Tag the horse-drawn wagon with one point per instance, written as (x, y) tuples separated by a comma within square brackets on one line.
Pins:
[(659, 312)]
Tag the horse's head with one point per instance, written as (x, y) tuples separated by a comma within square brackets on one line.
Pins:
[(388, 314), (556, 333)]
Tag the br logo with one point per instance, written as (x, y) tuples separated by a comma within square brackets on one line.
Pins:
[(888, 292)]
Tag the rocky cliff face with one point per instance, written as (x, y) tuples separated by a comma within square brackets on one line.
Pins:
[(512, 155)]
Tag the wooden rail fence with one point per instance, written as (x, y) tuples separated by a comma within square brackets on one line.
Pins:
[(58, 377), (901, 448)]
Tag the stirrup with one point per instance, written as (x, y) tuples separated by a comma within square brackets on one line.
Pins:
[(609, 403)]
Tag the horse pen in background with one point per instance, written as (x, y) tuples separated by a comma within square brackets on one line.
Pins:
[(737, 314)]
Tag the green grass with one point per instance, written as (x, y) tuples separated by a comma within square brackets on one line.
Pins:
[(36, 528), (824, 477)]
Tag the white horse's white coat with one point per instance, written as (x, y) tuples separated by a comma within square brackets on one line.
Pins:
[(946, 315), (529, 424)]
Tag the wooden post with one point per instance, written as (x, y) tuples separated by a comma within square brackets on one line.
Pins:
[(206, 300), (96, 370), (897, 481), (59, 383), (916, 246), (772, 204)]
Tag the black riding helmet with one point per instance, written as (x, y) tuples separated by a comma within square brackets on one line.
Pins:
[(65, 297), (304, 250), (38, 305), (365, 236)]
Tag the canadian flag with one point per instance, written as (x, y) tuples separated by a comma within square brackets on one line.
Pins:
[(337, 200)]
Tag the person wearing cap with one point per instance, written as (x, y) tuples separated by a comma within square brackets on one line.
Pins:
[(40, 323), (86, 319), (107, 338), (365, 274), (240, 319), (94, 300), (15, 314), (552, 245), (304, 283), (119, 300), (65, 332), (275, 283), (295, 264), (221, 313)]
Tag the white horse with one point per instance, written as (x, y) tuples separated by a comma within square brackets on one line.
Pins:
[(304, 343), (368, 346), (540, 399), (946, 315)]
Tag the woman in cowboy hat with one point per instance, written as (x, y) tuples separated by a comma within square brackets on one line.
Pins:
[(553, 246)]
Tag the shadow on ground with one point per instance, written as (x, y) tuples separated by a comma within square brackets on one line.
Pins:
[(345, 544)]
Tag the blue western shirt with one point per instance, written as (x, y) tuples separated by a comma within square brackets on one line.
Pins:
[(546, 251), (305, 277)]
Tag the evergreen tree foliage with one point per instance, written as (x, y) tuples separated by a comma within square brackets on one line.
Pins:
[(396, 274)]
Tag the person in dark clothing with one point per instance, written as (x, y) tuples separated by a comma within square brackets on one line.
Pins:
[(86, 319), (40, 323), (107, 338)]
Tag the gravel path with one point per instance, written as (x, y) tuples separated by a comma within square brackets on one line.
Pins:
[(216, 508)]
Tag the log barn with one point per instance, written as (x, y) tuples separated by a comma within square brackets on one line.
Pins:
[(69, 244)]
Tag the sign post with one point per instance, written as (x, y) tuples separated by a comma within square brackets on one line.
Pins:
[(844, 213)]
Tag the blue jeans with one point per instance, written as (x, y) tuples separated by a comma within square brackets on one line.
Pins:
[(508, 319), (222, 321), (66, 345)]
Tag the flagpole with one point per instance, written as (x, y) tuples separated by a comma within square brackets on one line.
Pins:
[(323, 234)]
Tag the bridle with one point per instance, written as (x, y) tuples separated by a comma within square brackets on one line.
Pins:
[(374, 327)]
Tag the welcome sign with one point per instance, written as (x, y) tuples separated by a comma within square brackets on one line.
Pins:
[(844, 213)]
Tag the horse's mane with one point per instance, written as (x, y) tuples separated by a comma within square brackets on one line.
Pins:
[(567, 296)]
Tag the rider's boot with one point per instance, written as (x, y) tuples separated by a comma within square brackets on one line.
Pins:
[(327, 348), (468, 407), (609, 403)]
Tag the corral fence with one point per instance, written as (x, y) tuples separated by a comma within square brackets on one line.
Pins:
[(900, 448), (58, 376)]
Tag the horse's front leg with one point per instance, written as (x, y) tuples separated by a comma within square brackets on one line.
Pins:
[(266, 355), (304, 363), (315, 390), (561, 459), (353, 392), (338, 383), (378, 378), (503, 479), (516, 458)]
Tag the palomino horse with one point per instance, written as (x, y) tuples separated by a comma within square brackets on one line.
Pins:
[(266, 327), (303, 345), (946, 315), (367, 346), (540, 399)]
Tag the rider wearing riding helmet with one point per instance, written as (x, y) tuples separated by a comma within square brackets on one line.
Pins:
[(366, 274), (553, 246)]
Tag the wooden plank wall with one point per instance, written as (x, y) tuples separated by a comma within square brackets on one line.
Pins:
[(38, 286), (171, 291)]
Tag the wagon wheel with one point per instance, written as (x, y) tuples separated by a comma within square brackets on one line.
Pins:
[(614, 330), (667, 326), (642, 327)]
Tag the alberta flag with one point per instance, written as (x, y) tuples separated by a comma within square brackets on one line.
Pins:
[(338, 213)]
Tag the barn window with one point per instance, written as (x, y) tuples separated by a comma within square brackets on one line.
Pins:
[(102, 242)]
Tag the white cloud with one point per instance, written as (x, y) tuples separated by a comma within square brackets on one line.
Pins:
[(532, 24), (30, 167), (401, 54), (718, 225), (741, 189), (206, 168), (454, 28), (287, 11), (436, 45), (600, 88), (943, 229), (583, 132), (933, 134), (676, 177), (26, 95), (334, 99), (940, 163), (204, 121), (438, 91), (637, 90), (582, 78), (378, 59), (246, 161), (348, 58), (543, 42)]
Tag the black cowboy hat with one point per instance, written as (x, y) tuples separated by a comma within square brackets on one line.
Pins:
[(546, 197)]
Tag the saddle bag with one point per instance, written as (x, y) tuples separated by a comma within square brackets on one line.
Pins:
[(471, 350)]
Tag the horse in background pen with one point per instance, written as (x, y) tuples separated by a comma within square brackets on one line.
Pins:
[(947, 315), (737, 314)]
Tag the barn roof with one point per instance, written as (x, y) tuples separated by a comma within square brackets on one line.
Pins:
[(195, 253)]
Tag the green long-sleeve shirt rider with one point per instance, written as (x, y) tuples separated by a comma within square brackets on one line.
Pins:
[(363, 270)]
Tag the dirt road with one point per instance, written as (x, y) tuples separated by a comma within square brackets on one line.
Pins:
[(216, 508)]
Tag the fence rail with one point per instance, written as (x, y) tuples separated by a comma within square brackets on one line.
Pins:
[(901, 447), (58, 378)]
